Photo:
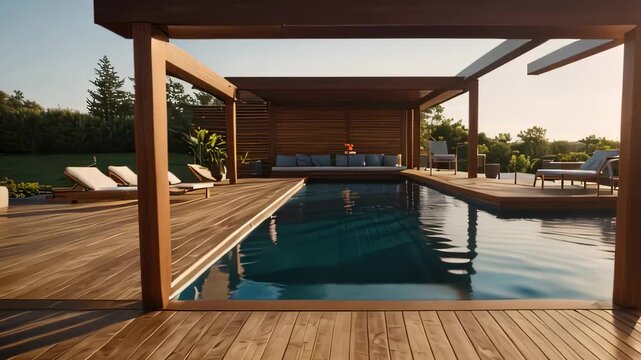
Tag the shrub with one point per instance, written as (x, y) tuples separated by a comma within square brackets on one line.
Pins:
[(520, 163), (20, 189), (573, 156)]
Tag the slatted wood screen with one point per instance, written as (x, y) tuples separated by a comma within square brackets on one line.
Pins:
[(305, 130), (326, 130), (253, 129)]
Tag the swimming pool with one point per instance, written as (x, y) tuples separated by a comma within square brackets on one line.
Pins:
[(405, 241)]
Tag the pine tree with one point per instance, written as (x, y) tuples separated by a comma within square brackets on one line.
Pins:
[(108, 100)]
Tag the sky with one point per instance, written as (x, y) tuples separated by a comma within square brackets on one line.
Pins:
[(49, 48)]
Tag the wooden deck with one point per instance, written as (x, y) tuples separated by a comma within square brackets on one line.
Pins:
[(503, 194), (511, 334), (91, 252)]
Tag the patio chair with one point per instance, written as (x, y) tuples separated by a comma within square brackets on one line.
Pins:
[(202, 173), (91, 184), (125, 176), (439, 154), (593, 170)]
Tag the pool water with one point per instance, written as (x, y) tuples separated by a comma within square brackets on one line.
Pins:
[(405, 241)]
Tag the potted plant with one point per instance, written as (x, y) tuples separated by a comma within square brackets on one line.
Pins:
[(217, 152), (208, 150)]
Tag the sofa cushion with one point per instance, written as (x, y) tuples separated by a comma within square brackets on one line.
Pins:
[(390, 160), (321, 160), (341, 160), (285, 160), (356, 160), (374, 159), (303, 160)]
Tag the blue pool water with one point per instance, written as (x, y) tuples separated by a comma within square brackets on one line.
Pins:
[(404, 241)]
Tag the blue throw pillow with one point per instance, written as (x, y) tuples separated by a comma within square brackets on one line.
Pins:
[(374, 159), (321, 160), (303, 160), (341, 160), (356, 160), (390, 160), (285, 160)]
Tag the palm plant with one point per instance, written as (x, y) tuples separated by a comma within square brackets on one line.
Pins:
[(197, 143), (217, 152)]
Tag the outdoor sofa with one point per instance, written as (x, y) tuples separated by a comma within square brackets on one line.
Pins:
[(338, 166), (599, 167)]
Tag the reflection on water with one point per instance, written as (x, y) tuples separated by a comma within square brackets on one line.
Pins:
[(406, 241)]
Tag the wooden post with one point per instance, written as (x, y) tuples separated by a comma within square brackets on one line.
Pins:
[(403, 137), (417, 137), (473, 131), (232, 157), (151, 164), (627, 267), (409, 142)]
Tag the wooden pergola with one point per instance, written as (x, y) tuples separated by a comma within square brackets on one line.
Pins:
[(525, 25)]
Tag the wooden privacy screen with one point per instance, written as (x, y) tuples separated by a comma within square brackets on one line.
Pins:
[(252, 128), (326, 130), (306, 130)]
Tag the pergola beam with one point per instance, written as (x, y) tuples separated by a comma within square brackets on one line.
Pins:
[(438, 97), (384, 19), (570, 53), (183, 66), (499, 56), (349, 83)]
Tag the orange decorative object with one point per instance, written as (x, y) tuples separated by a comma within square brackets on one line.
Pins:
[(349, 148)]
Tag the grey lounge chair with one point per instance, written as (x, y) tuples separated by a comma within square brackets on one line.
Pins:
[(439, 154), (592, 170)]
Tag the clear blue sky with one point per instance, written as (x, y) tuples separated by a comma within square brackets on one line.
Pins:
[(48, 49)]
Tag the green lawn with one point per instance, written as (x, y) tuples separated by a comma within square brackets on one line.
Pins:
[(48, 169)]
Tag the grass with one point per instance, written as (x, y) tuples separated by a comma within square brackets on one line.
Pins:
[(48, 169)]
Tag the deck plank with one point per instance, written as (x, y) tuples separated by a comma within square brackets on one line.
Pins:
[(441, 347), (131, 334), (399, 344), (493, 330), (61, 259), (377, 333), (419, 344), (341, 336), (463, 347), (359, 338), (481, 342)]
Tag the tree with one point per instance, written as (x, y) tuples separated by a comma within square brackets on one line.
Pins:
[(435, 126), (593, 143), (204, 99), (534, 142), (108, 100), (504, 137)]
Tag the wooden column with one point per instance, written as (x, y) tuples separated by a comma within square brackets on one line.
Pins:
[(152, 164), (473, 130), (404, 137), (627, 266), (232, 156), (416, 132), (409, 142)]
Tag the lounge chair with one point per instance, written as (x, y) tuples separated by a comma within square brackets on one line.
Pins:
[(125, 176), (201, 172), (91, 184), (439, 154), (593, 170)]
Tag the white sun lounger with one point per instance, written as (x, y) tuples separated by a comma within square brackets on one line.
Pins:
[(91, 184), (125, 176)]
